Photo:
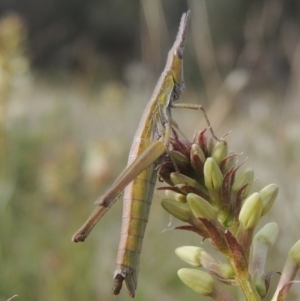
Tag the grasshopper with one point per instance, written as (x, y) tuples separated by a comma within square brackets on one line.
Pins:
[(150, 143)]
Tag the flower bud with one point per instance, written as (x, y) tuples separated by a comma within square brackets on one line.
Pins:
[(179, 210), (224, 271), (210, 143), (294, 253), (219, 151), (268, 196), (212, 175), (201, 140), (172, 195), (190, 254), (244, 178), (186, 189), (250, 213), (199, 281), (197, 159), (198, 257), (180, 159), (268, 234), (201, 207), (178, 178), (196, 149)]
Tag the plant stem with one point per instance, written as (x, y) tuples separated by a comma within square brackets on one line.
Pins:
[(245, 282)]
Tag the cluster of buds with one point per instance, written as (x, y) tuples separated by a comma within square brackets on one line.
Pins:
[(215, 202)]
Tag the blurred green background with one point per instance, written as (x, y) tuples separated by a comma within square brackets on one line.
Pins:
[(74, 79)]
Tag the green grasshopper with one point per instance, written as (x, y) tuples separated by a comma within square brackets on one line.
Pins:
[(150, 143)]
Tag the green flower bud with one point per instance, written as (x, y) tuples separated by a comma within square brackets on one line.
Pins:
[(179, 210), (210, 143), (201, 207), (212, 175), (294, 253), (199, 281), (268, 196), (220, 151), (178, 178), (186, 189), (250, 213), (244, 178), (196, 149), (197, 159), (268, 234), (172, 195), (198, 257), (224, 271), (190, 254), (180, 159)]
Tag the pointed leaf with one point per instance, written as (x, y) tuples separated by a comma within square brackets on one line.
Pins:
[(237, 253)]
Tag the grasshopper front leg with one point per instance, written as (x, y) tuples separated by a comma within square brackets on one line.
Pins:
[(196, 107)]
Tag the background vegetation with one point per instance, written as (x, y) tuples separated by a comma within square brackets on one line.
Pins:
[(74, 79)]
